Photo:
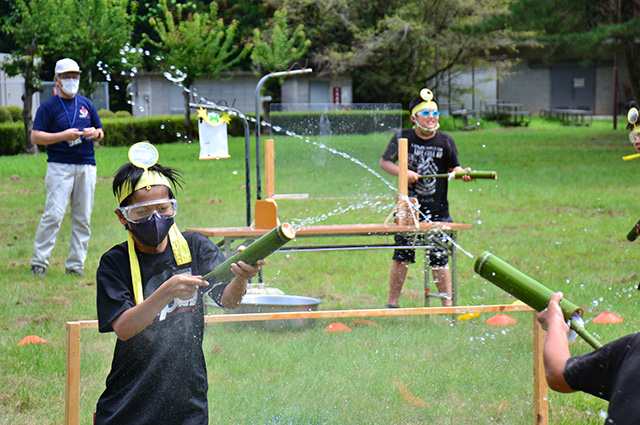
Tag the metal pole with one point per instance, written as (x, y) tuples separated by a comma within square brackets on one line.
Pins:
[(258, 87)]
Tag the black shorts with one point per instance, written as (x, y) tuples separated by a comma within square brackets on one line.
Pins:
[(437, 257)]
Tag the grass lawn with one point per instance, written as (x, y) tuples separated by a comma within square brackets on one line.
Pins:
[(559, 212)]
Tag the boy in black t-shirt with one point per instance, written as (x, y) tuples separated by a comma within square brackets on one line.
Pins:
[(429, 152), (150, 293), (611, 372)]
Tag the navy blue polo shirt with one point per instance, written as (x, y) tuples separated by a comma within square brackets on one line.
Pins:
[(57, 114)]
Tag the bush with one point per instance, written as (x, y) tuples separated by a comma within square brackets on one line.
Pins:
[(120, 131), (123, 114), (12, 138), (5, 114), (105, 113), (16, 112)]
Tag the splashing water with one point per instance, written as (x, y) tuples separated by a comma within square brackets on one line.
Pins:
[(338, 210)]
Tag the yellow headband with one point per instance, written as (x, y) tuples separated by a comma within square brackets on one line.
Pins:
[(427, 96), (148, 179), (424, 105)]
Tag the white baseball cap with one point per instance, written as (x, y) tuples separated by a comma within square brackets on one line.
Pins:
[(66, 65)]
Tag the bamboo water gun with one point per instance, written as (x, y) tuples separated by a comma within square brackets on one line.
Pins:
[(632, 117), (261, 248), (458, 175), (633, 234), (530, 291)]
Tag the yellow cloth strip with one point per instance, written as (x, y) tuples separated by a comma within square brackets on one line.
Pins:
[(148, 179)]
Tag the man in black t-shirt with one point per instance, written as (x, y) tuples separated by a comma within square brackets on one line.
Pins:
[(429, 152), (150, 293), (611, 372)]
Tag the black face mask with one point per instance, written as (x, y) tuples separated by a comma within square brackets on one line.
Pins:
[(151, 232)]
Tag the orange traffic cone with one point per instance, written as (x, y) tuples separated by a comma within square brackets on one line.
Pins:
[(32, 339), (502, 319), (608, 318), (337, 327)]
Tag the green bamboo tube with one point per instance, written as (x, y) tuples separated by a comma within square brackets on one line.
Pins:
[(528, 290), (633, 235), (261, 248), (458, 175)]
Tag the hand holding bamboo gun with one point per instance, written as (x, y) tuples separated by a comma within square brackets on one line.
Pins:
[(261, 248), (530, 291)]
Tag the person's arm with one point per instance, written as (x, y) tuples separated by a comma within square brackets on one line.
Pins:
[(556, 345), (44, 138), (393, 169), (136, 319), (236, 289)]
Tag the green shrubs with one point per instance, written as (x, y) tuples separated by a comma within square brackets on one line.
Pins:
[(11, 138), (5, 115), (123, 131), (106, 113), (123, 114)]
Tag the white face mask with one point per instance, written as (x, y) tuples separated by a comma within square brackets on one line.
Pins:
[(70, 86)]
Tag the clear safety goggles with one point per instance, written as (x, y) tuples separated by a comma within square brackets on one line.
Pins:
[(634, 135), (427, 112), (138, 213)]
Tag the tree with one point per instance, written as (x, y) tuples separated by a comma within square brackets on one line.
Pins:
[(279, 45), (392, 47), (31, 26), (41, 29), (587, 29), (98, 38), (193, 46)]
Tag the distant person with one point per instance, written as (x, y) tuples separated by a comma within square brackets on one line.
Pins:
[(68, 125), (611, 372), (151, 294), (429, 152)]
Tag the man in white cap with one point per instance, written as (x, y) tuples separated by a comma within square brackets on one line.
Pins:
[(67, 124)]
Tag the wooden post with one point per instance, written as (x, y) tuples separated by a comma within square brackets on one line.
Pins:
[(403, 165), (266, 210), (540, 390), (72, 379), (269, 168)]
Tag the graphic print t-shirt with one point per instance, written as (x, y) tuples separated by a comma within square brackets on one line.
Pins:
[(434, 156), (159, 375)]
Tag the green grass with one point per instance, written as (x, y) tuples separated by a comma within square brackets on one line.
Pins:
[(559, 212)]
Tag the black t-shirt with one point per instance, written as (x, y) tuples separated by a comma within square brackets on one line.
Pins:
[(434, 156), (612, 373), (159, 375)]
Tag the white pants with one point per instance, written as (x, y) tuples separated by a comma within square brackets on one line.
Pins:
[(64, 183)]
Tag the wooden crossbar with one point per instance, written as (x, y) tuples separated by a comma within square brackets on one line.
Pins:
[(366, 229), (541, 404)]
